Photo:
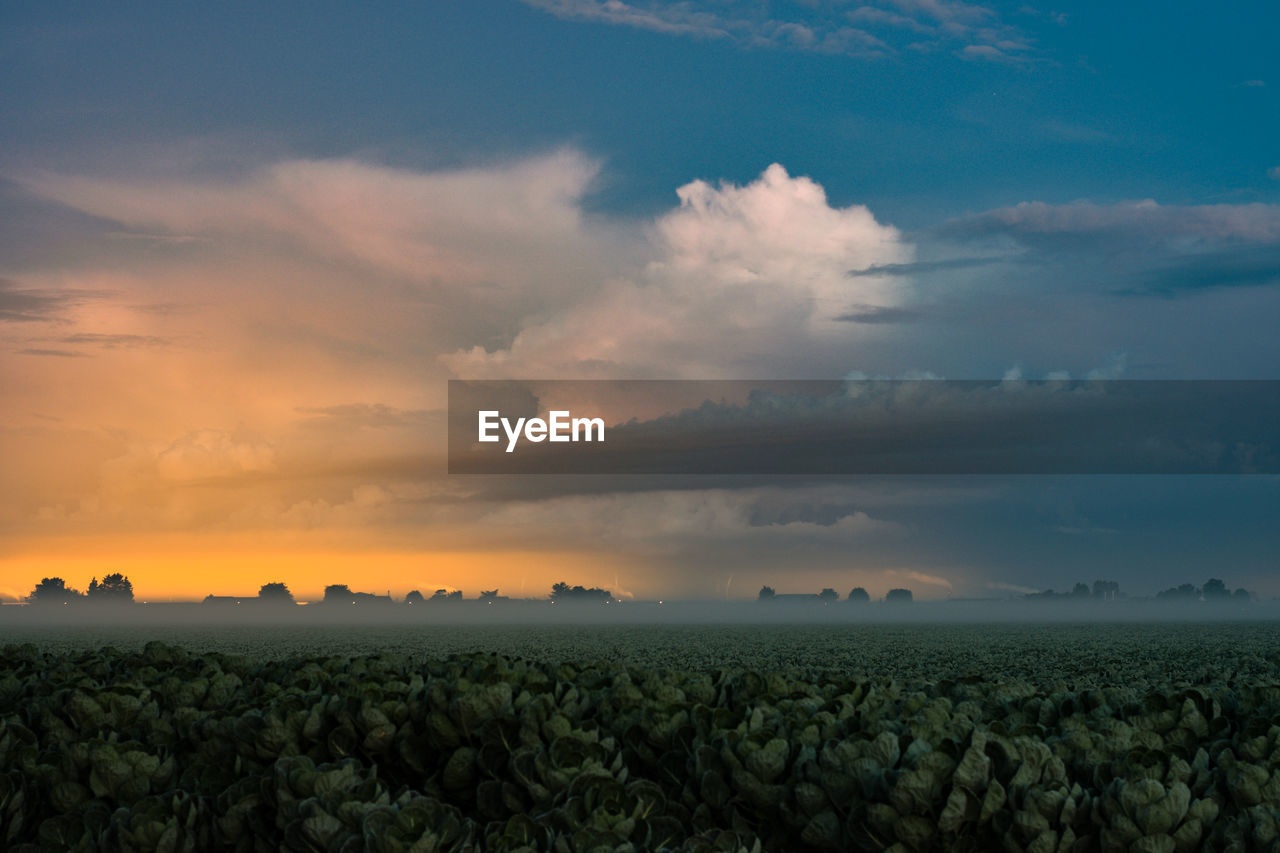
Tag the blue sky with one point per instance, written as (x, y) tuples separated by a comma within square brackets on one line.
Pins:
[(1160, 101), (248, 244)]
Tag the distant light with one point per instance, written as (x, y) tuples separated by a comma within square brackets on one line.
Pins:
[(659, 600)]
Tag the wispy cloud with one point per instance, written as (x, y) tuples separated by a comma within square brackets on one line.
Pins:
[(923, 267), (20, 304), (872, 315), (56, 353), (1143, 221), (1004, 586), (121, 341), (348, 416), (1137, 247), (868, 31)]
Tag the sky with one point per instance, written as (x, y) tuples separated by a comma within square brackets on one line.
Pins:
[(246, 247)]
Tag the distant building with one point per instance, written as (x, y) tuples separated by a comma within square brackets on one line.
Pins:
[(342, 594), (369, 598), (226, 600)]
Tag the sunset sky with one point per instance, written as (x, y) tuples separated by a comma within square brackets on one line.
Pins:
[(246, 246)]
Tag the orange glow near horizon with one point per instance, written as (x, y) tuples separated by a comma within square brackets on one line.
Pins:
[(176, 577)]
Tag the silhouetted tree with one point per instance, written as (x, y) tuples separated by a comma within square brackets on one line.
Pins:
[(445, 595), (1080, 590), (1105, 590), (338, 593), (275, 593), (828, 594), (114, 589), (858, 595), (766, 593), (1215, 590), (563, 592), (414, 597), (488, 593), (53, 591), (1182, 592), (1242, 595), (898, 596)]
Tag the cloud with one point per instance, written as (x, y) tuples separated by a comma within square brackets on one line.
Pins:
[(464, 226), (1130, 248), (676, 19), (314, 308), (920, 577), (925, 267), (987, 52), (57, 353), (873, 16), (815, 27), (351, 416), (209, 453), (1252, 266), (674, 521), (1004, 586), (874, 316), (738, 276), (20, 304), (1274, 173), (1141, 221), (115, 341)]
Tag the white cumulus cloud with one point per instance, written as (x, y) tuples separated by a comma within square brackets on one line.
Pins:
[(743, 280)]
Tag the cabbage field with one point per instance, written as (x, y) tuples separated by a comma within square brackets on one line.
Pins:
[(725, 738)]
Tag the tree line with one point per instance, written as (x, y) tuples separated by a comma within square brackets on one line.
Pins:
[(857, 595), (116, 588), (1214, 590)]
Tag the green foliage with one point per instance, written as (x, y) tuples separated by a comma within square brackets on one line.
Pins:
[(163, 749)]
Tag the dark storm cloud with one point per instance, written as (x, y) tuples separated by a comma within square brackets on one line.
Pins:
[(1127, 249), (1240, 267), (906, 427)]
